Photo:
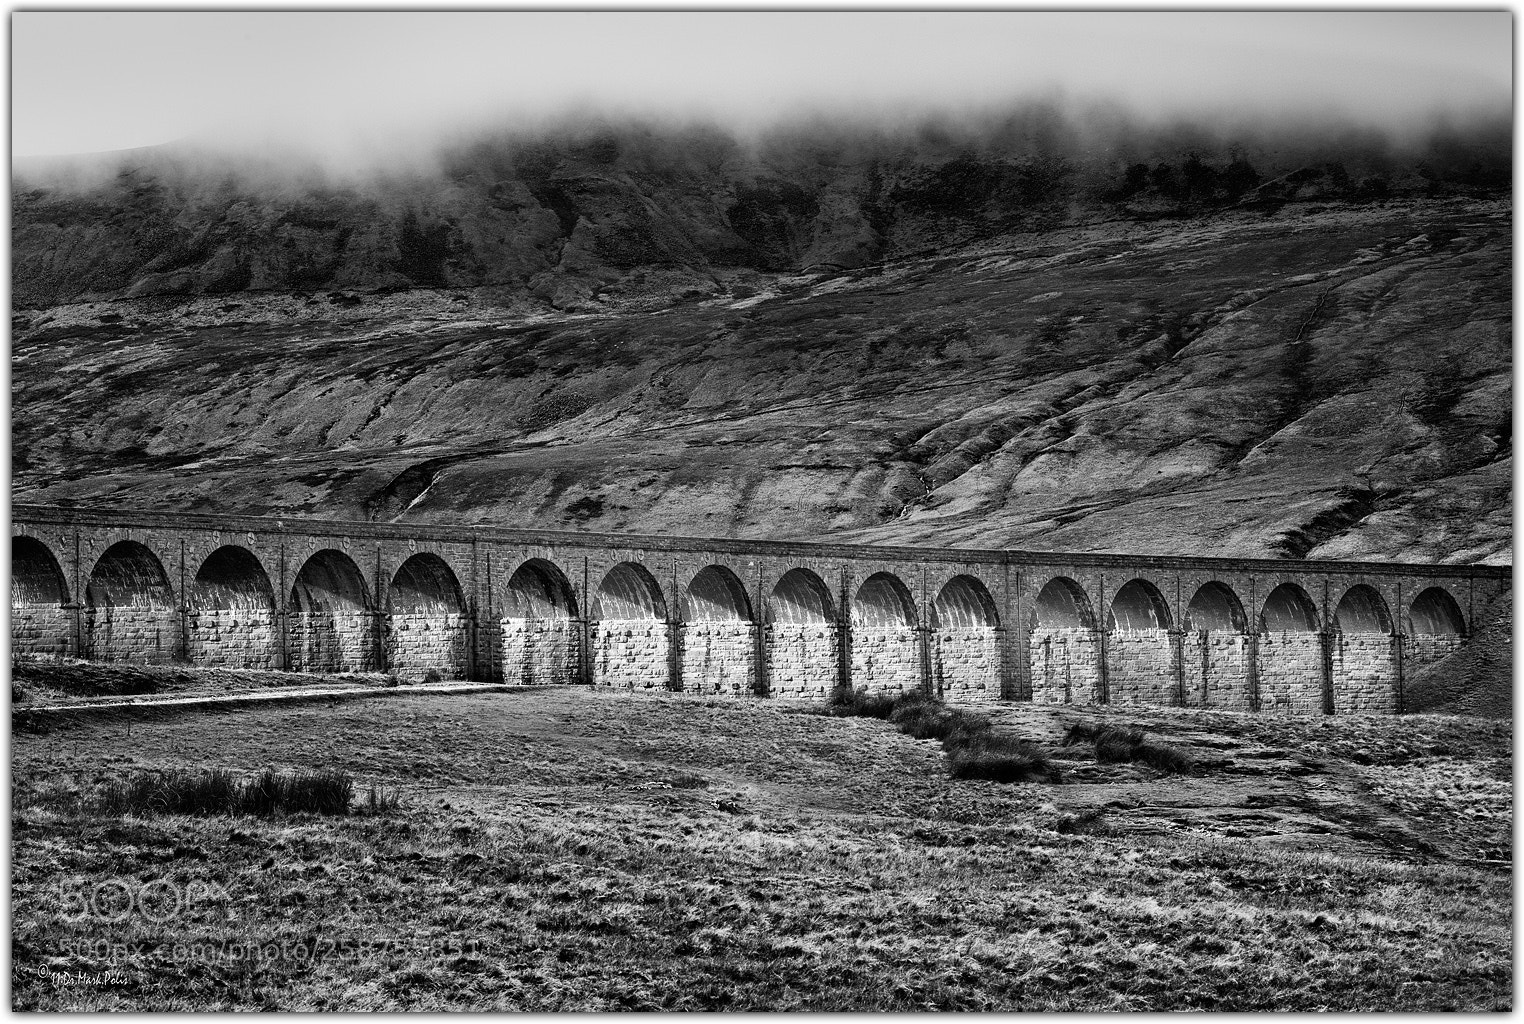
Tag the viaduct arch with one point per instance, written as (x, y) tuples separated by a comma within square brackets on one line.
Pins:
[(734, 618)]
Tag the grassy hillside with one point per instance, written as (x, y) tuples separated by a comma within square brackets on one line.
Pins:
[(567, 850), (1318, 381)]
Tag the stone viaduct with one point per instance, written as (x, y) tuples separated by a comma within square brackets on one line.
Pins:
[(732, 617)]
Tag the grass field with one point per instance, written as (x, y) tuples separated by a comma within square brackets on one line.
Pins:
[(560, 849)]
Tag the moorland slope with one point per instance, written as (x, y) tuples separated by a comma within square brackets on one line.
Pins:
[(1308, 381)]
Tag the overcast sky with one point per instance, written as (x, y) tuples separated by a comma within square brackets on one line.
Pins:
[(341, 82)]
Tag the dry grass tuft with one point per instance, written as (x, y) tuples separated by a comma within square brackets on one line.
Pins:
[(973, 750), (218, 791), (1114, 745)]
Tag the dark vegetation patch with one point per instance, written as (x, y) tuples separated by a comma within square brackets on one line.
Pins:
[(585, 508), (217, 791), (1353, 504), (974, 750), (1114, 745)]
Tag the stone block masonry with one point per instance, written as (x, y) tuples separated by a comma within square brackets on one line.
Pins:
[(966, 665), (538, 652), (1420, 651), (1066, 665), (148, 635), (1216, 668), (331, 641), (1141, 667), (631, 654), (1423, 649), (886, 659), (41, 629), (767, 617), (1364, 674), (720, 658), (801, 659), (418, 642), (1291, 673), (234, 638)]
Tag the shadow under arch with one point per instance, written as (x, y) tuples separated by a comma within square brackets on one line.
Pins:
[(37, 577), (232, 578), (130, 607), (538, 589), (800, 597), (129, 575), (1434, 612), (715, 594), (331, 627), (329, 581), (41, 622), (1062, 604), (1215, 608), (883, 600), (964, 602), (1362, 609), (629, 592), (425, 584), (1288, 609), (1138, 605)]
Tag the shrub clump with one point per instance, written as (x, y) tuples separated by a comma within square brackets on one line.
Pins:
[(219, 791), (380, 800), (973, 750), (1000, 759), (847, 703), (1115, 745)]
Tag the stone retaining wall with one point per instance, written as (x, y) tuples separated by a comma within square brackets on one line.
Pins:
[(1291, 673), (885, 659), (1065, 665), (966, 664), (127, 633), (41, 629), (630, 654), (234, 638), (1216, 670), (1141, 667), (720, 658), (801, 659)]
